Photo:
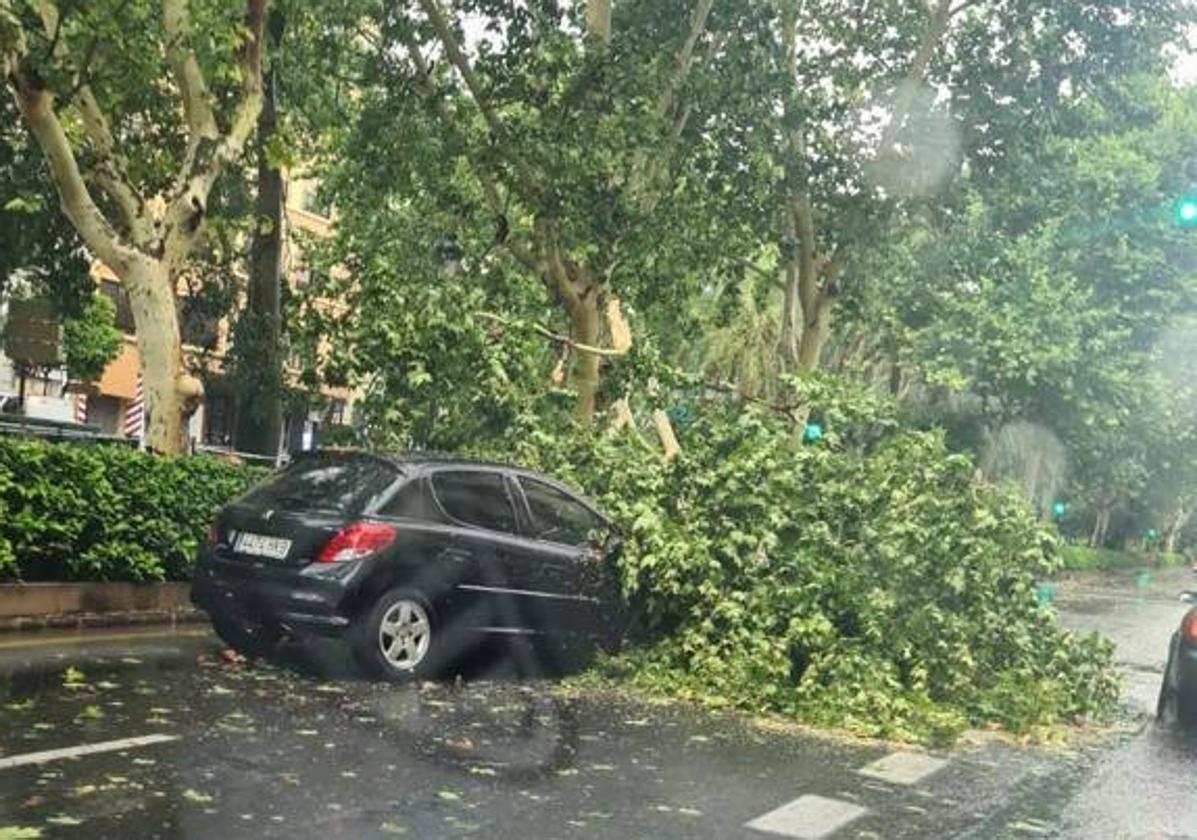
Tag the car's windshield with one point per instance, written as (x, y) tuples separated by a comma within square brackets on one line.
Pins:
[(595, 419)]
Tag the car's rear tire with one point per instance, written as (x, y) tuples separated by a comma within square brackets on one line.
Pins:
[(397, 639), (247, 638)]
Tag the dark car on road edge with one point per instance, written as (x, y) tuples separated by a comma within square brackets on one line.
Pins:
[(1178, 690), (412, 560)]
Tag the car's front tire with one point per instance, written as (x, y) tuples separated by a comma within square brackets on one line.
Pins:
[(397, 639)]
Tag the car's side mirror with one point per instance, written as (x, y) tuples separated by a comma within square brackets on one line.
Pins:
[(613, 544)]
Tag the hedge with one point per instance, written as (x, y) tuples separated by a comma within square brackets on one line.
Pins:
[(82, 512)]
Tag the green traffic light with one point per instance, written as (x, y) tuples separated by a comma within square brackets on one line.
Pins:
[(1186, 212)]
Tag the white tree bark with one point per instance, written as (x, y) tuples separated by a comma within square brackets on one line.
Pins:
[(157, 246)]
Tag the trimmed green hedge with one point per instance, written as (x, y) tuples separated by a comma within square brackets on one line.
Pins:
[(93, 512)]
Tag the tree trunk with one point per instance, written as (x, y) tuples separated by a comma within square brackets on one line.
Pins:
[(1101, 527), (1176, 524), (260, 414), (169, 390), (598, 19), (815, 332), (585, 323)]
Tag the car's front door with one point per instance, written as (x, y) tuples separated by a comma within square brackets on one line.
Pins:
[(557, 559)]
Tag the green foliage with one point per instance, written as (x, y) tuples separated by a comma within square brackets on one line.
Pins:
[(91, 340), (881, 589), (76, 512), (36, 241), (1082, 558)]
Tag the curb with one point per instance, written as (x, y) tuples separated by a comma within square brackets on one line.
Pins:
[(76, 606), (83, 621)]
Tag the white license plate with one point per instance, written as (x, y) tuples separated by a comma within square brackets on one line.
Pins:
[(259, 545)]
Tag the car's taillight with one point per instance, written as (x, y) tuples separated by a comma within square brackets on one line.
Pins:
[(1188, 627), (361, 539)]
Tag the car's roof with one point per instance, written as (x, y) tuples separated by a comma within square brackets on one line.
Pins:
[(426, 460)]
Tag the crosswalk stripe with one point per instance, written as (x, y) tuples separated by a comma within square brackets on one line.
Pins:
[(903, 768), (809, 817)]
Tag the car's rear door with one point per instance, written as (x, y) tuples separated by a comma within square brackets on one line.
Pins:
[(556, 558)]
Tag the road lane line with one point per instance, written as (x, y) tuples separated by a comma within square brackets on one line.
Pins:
[(83, 749), (809, 817), (903, 768)]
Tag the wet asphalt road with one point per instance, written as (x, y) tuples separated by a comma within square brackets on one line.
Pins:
[(268, 751), (1145, 785)]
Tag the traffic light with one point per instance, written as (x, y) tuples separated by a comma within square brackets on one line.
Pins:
[(1058, 511), (813, 433), (1185, 212)]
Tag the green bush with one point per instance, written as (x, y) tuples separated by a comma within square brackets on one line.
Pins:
[(1082, 558), (87, 512), (880, 588)]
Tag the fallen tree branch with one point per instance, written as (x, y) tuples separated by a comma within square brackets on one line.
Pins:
[(541, 329)]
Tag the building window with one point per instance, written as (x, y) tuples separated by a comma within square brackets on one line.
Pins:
[(218, 420), (120, 299), (312, 202), (336, 413)]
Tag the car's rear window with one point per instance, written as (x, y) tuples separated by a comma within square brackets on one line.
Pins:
[(324, 483)]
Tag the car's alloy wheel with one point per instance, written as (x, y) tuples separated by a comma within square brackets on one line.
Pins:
[(397, 639), (405, 634)]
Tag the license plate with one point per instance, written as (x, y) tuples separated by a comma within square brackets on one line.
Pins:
[(259, 545)]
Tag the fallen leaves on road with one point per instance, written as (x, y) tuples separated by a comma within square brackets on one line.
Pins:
[(91, 712), (19, 832), (64, 820)]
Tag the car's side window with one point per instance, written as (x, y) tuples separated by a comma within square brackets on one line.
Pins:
[(476, 498), (410, 501), (556, 517)]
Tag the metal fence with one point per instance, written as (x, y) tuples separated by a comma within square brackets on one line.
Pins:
[(18, 425)]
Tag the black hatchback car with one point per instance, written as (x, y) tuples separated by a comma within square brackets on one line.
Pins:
[(410, 559)]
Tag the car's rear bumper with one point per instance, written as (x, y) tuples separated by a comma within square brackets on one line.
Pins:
[(291, 599)]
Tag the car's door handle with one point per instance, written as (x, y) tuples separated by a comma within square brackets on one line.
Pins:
[(457, 555)]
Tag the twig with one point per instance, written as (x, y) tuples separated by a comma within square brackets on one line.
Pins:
[(540, 329)]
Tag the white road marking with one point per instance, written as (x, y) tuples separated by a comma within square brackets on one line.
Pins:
[(808, 817), (903, 768), (83, 749)]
